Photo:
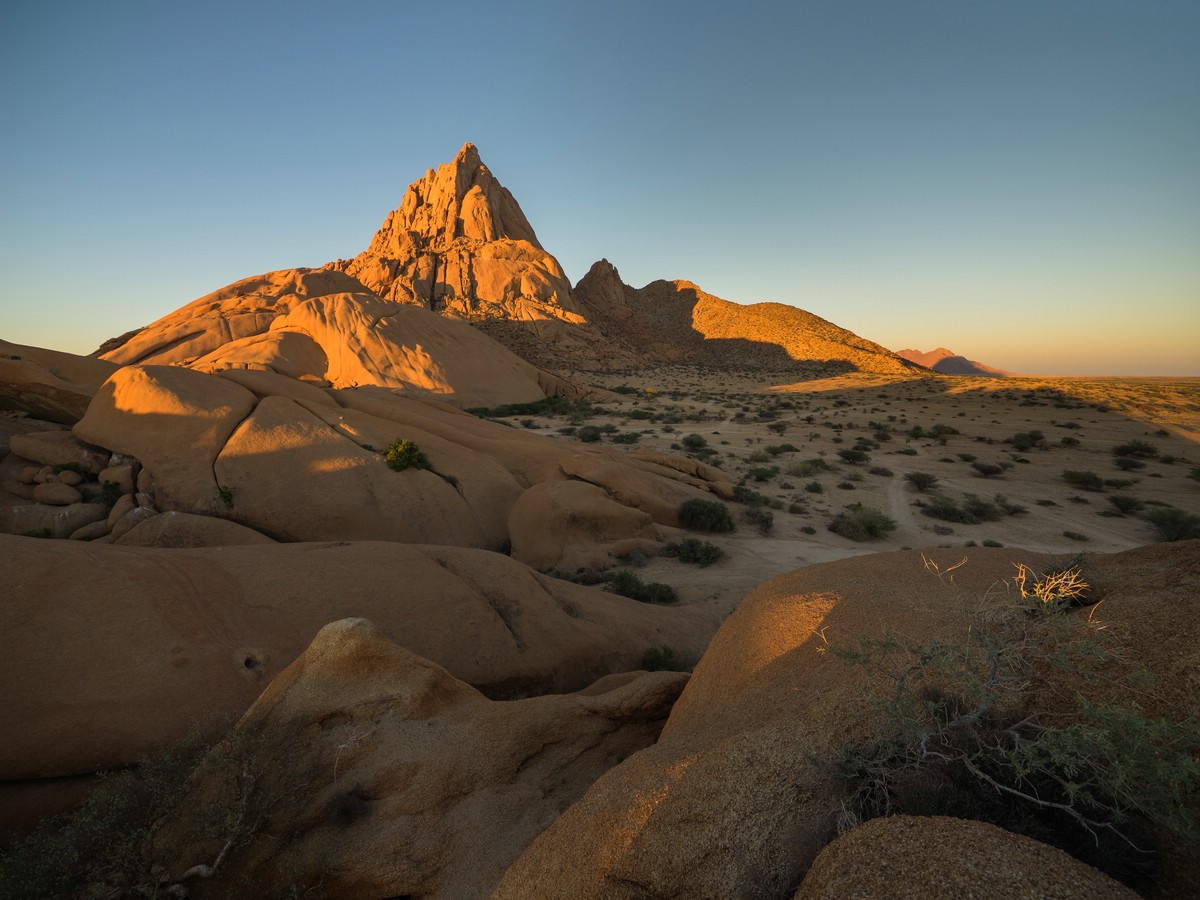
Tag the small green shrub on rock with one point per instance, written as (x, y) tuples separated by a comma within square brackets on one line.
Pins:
[(404, 454)]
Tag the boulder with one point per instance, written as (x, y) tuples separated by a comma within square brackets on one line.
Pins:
[(177, 529), (572, 525), (741, 793), (49, 384), (54, 493), (386, 776), (42, 520), (112, 651), (940, 858), (175, 421), (298, 464), (59, 448)]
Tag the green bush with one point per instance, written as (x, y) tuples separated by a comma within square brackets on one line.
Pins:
[(589, 434), (762, 519), (1136, 450), (862, 523), (695, 551), (705, 515), (628, 584), (662, 659), (1128, 463), (404, 454), (1174, 524), (987, 470), (921, 481), (693, 442), (854, 456)]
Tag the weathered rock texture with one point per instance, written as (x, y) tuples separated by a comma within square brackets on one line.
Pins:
[(48, 384), (325, 327), (739, 794), (112, 651), (382, 775), (938, 858), (297, 463)]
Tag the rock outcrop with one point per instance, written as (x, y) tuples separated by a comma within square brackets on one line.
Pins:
[(740, 793), (111, 652), (324, 327), (48, 384), (389, 777), (677, 322), (297, 463)]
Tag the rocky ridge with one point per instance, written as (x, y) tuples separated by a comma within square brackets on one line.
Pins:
[(459, 246)]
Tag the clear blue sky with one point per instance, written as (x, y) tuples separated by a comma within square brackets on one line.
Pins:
[(1017, 181)]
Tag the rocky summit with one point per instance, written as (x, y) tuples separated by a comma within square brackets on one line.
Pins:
[(459, 246)]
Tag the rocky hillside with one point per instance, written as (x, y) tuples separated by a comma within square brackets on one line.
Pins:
[(460, 246), (676, 321), (949, 363)]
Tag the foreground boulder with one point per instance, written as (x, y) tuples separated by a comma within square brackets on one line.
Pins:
[(49, 384), (741, 792), (298, 463), (938, 858), (379, 774), (112, 651)]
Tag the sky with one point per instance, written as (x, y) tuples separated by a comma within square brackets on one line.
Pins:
[(1017, 181)]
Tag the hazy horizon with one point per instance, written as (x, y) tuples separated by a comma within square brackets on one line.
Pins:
[(1016, 184)]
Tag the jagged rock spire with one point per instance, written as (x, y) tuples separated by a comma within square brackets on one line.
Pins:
[(462, 199)]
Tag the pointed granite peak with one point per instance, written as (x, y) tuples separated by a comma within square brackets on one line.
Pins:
[(460, 200)]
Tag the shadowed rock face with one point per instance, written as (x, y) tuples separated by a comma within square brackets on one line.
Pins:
[(111, 652), (413, 784), (677, 322)]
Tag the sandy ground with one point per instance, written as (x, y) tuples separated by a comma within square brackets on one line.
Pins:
[(740, 416)]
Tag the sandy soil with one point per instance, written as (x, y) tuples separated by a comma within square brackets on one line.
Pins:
[(746, 418)]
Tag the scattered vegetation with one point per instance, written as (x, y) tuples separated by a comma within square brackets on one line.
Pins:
[(1136, 450), (963, 736), (762, 519)]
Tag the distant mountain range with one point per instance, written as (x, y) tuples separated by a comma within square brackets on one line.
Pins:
[(950, 363)]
